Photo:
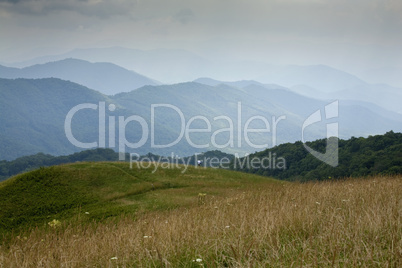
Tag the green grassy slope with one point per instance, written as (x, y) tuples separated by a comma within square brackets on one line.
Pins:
[(95, 191)]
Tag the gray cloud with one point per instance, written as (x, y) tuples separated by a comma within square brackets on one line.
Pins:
[(96, 8), (329, 31), (301, 16), (184, 15)]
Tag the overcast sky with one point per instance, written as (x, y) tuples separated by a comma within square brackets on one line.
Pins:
[(349, 34)]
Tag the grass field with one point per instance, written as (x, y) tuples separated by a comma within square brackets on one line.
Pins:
[(108, 215)]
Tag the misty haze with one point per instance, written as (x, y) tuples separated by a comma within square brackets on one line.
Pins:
[(186, 134)]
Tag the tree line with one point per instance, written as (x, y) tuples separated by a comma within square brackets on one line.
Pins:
[(358, 157)]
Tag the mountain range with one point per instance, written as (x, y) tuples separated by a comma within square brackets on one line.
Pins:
[(105, 77), (174, 66), (178, 65), (33, 117), (343, 86), (165, 65)]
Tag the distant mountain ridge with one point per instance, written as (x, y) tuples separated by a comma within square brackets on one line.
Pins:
[(175, 66), (321, 77), (239, 84), (165, 65), (33, 114), (388, 97), (106, 78), (178, 65)]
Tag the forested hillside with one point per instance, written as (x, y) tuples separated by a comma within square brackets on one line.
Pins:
[(380, 154)]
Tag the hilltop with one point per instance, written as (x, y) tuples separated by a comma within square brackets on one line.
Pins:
[(31, 162), (108, 189)]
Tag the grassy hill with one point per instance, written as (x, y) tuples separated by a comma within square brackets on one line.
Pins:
[(106, 189), (108, 215)]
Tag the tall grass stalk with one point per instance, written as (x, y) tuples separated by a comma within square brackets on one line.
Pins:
[(348, 223)]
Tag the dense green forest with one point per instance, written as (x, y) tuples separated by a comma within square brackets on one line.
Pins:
[(380, 154)]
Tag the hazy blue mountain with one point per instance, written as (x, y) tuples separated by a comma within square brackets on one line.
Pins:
[(388, 75), (309, 92), (379, 95), (239, 84), (208, 81), (383, 95), (175, 65), (107, 78), (374, 108), (166, 65), (33, 112), (355, 118), (320, 77)]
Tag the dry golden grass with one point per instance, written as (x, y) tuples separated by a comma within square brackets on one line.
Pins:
[(350, 223)]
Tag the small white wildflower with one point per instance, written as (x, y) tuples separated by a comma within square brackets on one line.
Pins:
[(227, 226), (87, 212), (147, 236), (197, 260), (318, 203), (113, 258)]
